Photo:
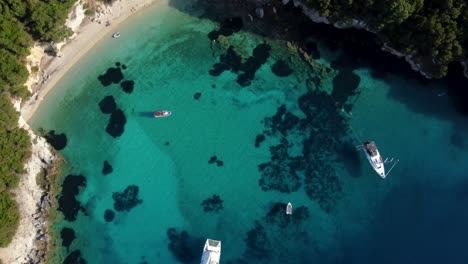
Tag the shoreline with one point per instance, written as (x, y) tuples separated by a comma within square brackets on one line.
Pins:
[(30, 243), (90, 31)]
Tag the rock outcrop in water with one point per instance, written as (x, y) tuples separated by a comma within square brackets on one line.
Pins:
[(67, 235), (58, 141), (68, 204)]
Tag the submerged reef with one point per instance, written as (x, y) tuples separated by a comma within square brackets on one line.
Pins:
[(109, 215), (257, 243), (277, 215), (274, 232), (74, 258), (281, 69), (246, 70), (126, 200), (228, 27), (68, 204), (106, 168), (185, 249), (259, 139), (280, 173), (58, 141), (107, 105), (112, 75), (127, 86), (321, 134), (67, 235), (116, 124), (213, 204), (345, 85), (214, 159)]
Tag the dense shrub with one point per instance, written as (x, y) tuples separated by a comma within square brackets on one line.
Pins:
[(9, 218), (432, 29)]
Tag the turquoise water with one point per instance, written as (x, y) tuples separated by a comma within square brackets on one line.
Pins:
[(415, 215)]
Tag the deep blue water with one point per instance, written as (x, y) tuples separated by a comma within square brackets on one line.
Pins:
[(164, 170)]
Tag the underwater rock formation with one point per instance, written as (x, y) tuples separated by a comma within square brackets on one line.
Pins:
[(107, 105), (109, 215), (107, 168), (277, 215), (116, 124), (279, 174), (74, 258), (58, 141), (282, 121), (197, 95), (259, 139), (281, 69), (112, 75), (228, 27), (127, 86), (214, 159), (245, 71), (68, 204), (323, 133), (127, 199), (213, 204), (67, 235), (183, 247), (345, 85), (257, 243)]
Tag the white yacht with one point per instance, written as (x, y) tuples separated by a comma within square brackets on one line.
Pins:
[(289, 209), (374, 157), (211, 252)]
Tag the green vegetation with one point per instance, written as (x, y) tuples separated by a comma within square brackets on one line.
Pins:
[(21, 22), (9, 218), (434, 30)]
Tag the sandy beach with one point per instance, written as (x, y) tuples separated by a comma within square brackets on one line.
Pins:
[(88, 33), (30, 197)]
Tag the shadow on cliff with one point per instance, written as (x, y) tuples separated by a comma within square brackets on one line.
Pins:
[(360, 49)]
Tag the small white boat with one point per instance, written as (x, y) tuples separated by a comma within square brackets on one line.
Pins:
[(162, 113), (289, 209), (116, 35), (373, 155), (211, 252)]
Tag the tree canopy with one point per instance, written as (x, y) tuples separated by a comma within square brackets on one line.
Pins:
[(433, 29), (21, 22)]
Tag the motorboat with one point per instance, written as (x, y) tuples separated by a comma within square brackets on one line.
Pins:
[(116, 35), (373, 155), (162, 113), (289, 209), (211, 252)]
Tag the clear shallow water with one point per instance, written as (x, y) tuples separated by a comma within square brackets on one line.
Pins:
[(416, 213)]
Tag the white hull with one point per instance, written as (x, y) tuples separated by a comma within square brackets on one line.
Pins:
[(211, 252), (289, 209), (374, 158), (162, 113)]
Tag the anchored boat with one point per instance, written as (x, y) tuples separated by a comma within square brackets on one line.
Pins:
[(373, 155), (116, 35), (289, 209), (162, 113), (211, 252)]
